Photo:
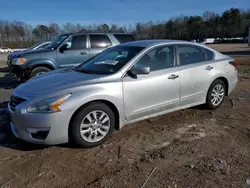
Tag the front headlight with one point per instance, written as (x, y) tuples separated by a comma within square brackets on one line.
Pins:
[(49, 105), (18, 61)]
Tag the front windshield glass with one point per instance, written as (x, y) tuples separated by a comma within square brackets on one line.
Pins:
[(58, 40), (32, 47), (110, 61)]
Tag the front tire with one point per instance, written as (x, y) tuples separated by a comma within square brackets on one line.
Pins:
[(216, 94), (93, 125), (38, 71)]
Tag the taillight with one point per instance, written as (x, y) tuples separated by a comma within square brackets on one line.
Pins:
[(234, 63)]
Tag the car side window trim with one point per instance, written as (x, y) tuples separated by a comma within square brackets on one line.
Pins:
[(194, 46), (71, 37), (205, 51), (107, 40), (145, 51), (150, 49)]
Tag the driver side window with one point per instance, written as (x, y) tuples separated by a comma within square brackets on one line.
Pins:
[(77, 42), (158, 58)]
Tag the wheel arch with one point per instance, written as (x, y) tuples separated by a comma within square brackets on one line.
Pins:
[(225, 80), (43, 65), (108, 103), (226, 83)]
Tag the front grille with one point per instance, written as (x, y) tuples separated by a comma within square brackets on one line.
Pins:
[(14, 101)]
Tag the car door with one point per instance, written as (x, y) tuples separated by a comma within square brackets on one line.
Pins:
[(76, 52), (195, 72), (98, 43), (158, 91)]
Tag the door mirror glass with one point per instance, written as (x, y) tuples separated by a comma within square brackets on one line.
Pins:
[(140, 69), (63, 48)]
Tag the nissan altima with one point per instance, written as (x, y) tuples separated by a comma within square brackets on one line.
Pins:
[(123, 84)]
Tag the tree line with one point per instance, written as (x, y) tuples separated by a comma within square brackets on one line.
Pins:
[(231, 23)]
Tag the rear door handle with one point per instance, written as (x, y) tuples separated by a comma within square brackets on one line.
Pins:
[(83, 53), (173, 76), (209, 68)]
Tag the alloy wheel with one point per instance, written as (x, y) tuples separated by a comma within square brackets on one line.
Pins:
[(95, 126), (217, 94)]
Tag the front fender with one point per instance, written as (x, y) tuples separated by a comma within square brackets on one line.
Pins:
[(33, 63), (110, 93)]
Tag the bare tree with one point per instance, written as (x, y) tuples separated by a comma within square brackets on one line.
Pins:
[(231, 23), (69, 28)]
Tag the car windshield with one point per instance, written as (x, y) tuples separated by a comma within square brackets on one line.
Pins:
[(58, 40), (110, 60), (34, 46)]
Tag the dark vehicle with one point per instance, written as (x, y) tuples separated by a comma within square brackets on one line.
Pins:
[(66, 50)]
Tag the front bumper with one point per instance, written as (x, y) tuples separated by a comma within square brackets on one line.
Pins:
[(27, 126), (17, 71)]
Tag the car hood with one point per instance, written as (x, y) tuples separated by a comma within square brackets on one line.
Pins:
[(27, 52), (16, 53), (56, 81)]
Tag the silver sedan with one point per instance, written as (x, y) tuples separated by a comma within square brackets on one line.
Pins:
[(124, 84)]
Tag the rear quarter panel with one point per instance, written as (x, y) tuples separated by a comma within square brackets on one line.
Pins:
[(224, 69)]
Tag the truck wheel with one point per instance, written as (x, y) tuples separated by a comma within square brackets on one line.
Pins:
[(93, 125), (38, 71)]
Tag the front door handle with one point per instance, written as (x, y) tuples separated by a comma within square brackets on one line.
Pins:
[(209, 68), (83, 53), (173, 76)]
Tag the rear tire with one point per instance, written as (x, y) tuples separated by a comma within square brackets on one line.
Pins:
[(87, 129), (38, 71), (216, 94)]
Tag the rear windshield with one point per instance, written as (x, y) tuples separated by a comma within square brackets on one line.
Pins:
[(122, 38)]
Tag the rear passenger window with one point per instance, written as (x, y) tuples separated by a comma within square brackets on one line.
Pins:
[(190, 54), (210, 54), (99, 41), (122, 38)]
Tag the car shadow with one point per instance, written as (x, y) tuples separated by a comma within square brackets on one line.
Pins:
[(7, 138), (6, 80)]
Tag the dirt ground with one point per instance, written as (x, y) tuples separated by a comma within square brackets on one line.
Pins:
[(191, 148), (230, 47)]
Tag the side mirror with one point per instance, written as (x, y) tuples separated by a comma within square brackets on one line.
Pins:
[(63, 48), (140, 70)]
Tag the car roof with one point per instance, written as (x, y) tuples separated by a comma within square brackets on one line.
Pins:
[(148, 43), (106, 33)]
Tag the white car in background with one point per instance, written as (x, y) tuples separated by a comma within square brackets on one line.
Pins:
[(5, 50)]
